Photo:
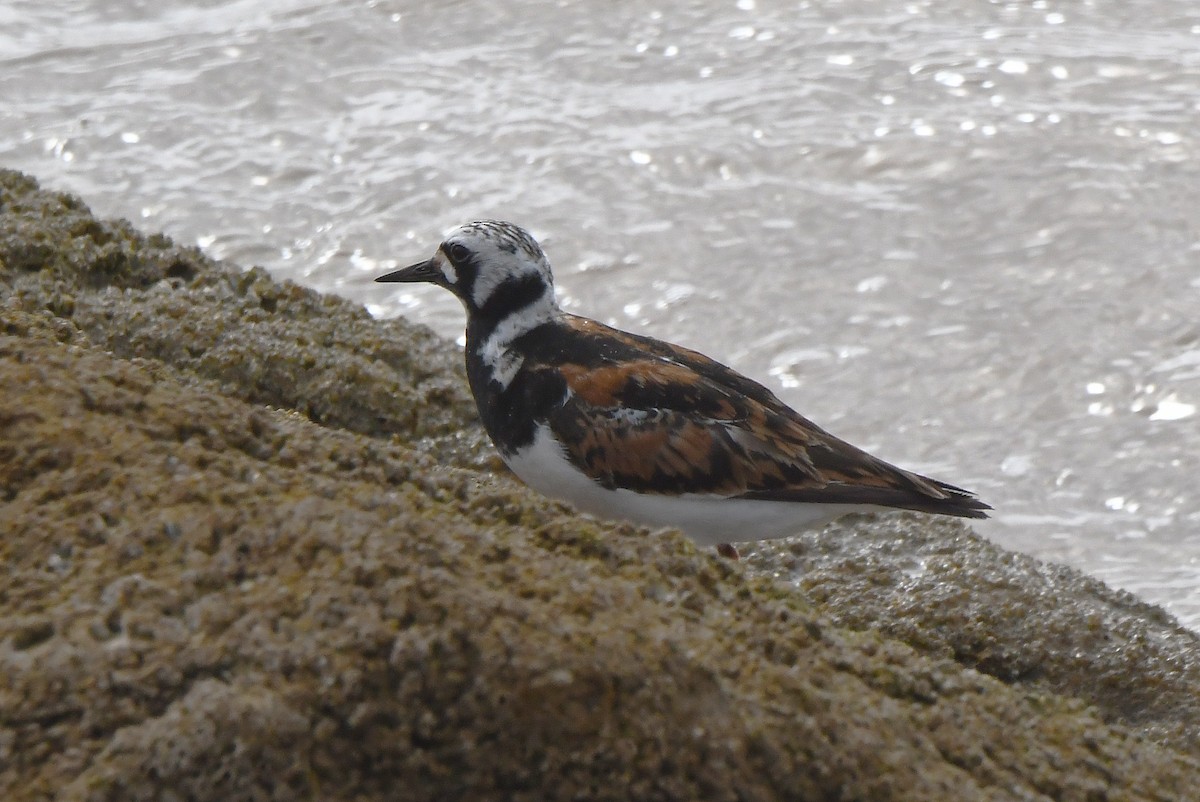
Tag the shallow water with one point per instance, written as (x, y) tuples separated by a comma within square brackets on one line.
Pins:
[(964, 236)]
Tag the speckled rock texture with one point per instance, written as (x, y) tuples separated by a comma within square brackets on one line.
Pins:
[(274, 344), (249, 555)]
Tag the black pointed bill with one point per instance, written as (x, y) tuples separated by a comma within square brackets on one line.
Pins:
[(422, 271)]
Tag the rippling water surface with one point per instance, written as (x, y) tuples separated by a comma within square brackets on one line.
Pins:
[(963, 235)]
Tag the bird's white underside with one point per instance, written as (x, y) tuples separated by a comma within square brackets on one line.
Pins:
[(708, 520)]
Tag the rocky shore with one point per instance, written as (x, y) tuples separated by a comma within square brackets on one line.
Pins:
[(256, 547)]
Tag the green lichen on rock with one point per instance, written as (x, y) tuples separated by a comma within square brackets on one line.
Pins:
[(209, 598), (942, 589), (273, 343)]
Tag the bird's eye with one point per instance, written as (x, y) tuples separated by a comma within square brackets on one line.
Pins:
[(458, 252)]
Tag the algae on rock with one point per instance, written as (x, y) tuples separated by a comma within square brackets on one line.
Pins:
[(209, 598), (273, 343)]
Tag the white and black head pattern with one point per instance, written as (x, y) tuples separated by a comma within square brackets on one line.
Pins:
[(494, 268), (503, 279)]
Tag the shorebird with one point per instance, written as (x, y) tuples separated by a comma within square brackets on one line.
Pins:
[(628, 427)]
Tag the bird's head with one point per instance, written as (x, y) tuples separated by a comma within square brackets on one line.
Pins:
[(494, 268)]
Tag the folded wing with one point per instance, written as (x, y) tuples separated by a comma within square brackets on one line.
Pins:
[(662, 425)]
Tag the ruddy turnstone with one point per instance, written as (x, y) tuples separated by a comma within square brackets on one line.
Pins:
[(629, 427)]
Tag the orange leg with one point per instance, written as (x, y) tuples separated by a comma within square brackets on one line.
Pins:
[(728, 550)]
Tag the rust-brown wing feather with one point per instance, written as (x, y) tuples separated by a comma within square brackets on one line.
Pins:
[(656, 425)]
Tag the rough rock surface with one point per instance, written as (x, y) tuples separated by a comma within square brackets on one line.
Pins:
[(248, 557)]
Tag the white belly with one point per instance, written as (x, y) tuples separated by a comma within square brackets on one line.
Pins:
[(708, 520)]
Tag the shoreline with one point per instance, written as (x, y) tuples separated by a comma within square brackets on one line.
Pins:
[(255, 543)]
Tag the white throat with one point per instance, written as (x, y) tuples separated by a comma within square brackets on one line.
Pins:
[(496, 349)]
